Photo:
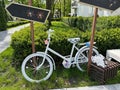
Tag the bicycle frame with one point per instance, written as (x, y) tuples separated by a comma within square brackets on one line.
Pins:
[(56, 53), (61, 56), (45, 63)]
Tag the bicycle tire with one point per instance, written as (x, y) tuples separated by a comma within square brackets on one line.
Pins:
[(29, 68), (82, 58)]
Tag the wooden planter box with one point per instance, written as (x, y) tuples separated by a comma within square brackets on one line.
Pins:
[(102, 74)]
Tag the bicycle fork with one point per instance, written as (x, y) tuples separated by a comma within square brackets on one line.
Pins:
[(45, 55), (38, 67)]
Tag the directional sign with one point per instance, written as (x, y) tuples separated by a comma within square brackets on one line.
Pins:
[(28, 12), (106, 4)]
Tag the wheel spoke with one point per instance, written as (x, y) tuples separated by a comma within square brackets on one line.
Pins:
[(82, 58), (31, 73)]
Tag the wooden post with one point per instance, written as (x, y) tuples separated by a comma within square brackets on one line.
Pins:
[(32, 31), (92, 37)]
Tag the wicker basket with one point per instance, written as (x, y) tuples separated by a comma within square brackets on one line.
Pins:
[(102, 74)]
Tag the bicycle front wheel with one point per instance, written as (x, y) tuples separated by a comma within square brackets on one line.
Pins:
[(82, 58), (30, 64)]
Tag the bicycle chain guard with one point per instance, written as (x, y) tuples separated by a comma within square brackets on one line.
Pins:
[(66, 64)]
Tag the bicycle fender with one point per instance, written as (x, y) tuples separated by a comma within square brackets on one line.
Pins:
[(50, 59), (95, 47), (88, 47), (82, 49)]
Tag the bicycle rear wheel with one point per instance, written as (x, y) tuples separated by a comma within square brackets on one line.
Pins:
[(30, 72), (82, 58)]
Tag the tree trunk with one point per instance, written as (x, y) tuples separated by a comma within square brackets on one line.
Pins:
[(49, 6), (64, 8)]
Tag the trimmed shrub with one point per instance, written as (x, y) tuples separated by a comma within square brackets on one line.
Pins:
[(3, 16), (65, 20), (80, 23), (15, 23), (108, 22), (72, 21), (105, 39), (85, 23), (21, 41), (56, 19), (108, 39)]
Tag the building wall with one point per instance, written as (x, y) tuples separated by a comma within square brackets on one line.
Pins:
[(86, 11)]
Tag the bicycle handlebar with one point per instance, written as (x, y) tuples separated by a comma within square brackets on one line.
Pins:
[(49, 32)]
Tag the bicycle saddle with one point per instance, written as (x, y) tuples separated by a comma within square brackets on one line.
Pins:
[(74, 40)]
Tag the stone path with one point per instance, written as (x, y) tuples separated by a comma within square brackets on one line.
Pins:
[(101, 87), (5, 36)]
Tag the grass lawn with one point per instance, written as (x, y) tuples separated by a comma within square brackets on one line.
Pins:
[(12, 79)]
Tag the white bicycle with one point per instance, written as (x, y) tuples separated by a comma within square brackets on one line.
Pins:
[(39, 66)]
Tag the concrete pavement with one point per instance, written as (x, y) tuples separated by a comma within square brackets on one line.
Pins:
[(101, 87), (5, 36)]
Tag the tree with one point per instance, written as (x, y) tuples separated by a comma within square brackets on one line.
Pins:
[(36, 3), (39, 3), (63, 6), (22, 1), (3, 16), (66, 8), (49, 4)]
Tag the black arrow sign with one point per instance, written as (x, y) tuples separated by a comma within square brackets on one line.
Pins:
[(106, 4), (28, 12)]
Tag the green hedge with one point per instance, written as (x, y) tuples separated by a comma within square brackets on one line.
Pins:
[(85, 23), (21, 43), (15, 23), (3, 16), (108, 22), (108, 39), (105, 39), (56, 19)]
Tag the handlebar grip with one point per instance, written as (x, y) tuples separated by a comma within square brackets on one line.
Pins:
[(49, 33), (50, 30)]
